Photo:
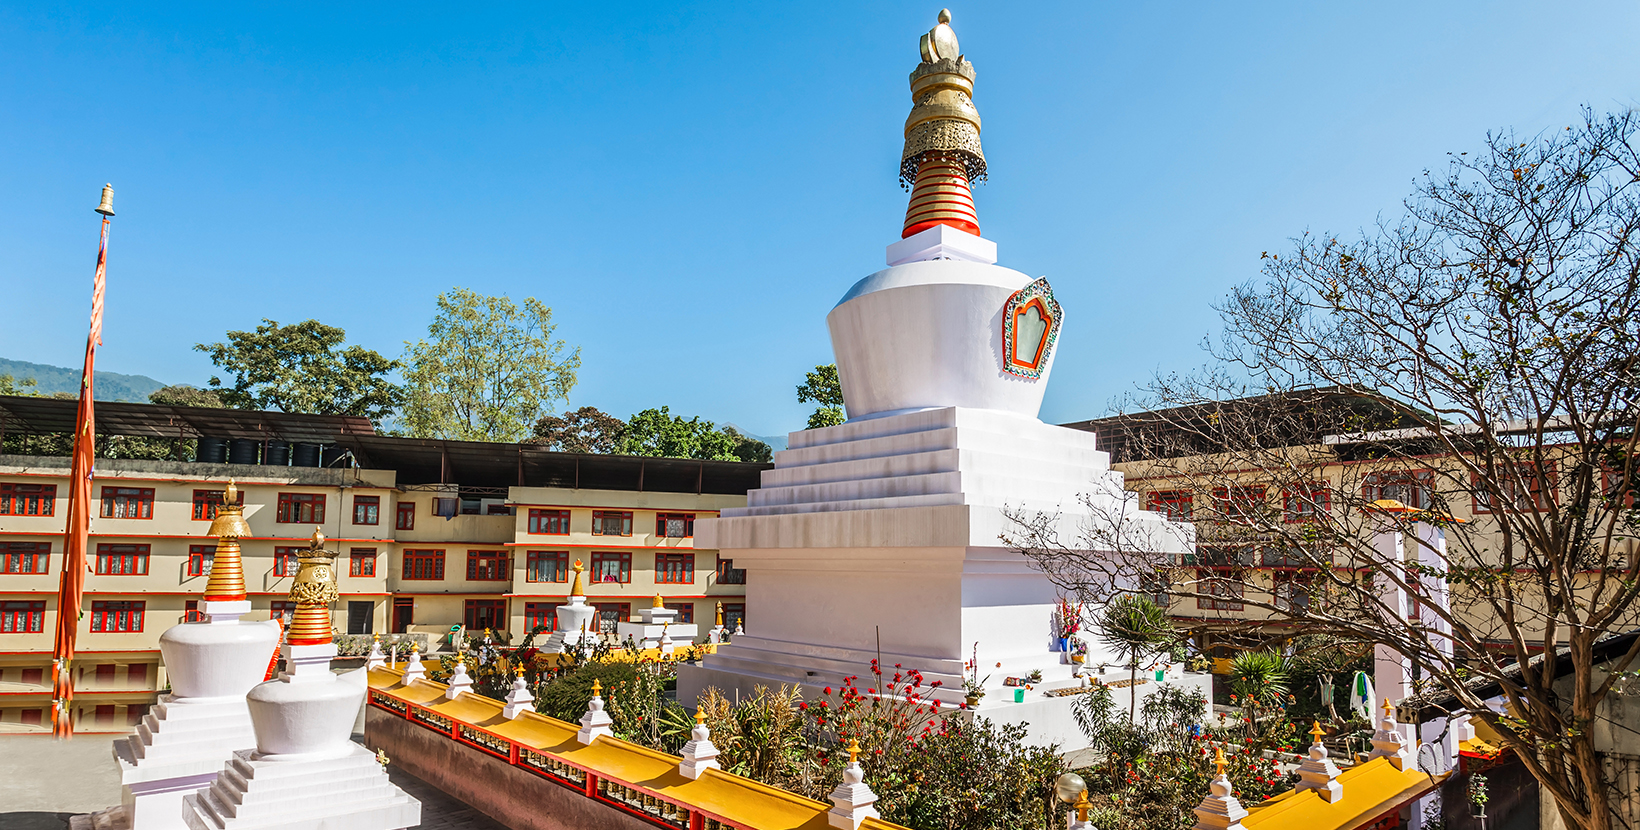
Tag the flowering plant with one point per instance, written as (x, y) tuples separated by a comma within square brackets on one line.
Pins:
[(1069, 615)]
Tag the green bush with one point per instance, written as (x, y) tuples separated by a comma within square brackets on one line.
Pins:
[(566, 696)]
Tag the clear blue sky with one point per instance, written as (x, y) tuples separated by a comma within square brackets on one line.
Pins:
[(692, 188)]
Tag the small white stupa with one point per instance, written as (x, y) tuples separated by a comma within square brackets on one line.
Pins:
[(304, 723), (656, 624), (577, 621), (182, 742)]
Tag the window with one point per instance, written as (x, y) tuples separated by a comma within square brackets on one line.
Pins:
[(611, 614), (117, 616), (28, 499), (541, 615), (547, 566), (191, 612), (105, 673), (611, 523), (137, 674), (281, 608), (32, 717), (500, 510), (1305, 502), (122, 560), (301, 508), (207, 501), (1155, 587), (485, 613), (675, 568), (446, 507), (686, 612), (423, 564), (1291, 592), (23, 617), (1619, 487), (487, 566), (284, 561), (728, 574), (361, 562), (1223, 588), (675, 525), (1409, 487), (611, 567), (407, 516), (35, 677), (549, 522), (200, 559), (734, 614), (105, 714), (367, 510), (1284, 556), (135, 712), (1243, 505), (1532, 488), (128, 503), (1174, 504), (25, 557), (471, 505)]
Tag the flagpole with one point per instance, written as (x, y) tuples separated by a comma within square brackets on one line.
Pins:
[(71, 589)]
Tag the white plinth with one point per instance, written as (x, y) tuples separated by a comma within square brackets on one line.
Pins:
[(942, 242), (648, 635), (883, 535), (181, 744), (346, 792)]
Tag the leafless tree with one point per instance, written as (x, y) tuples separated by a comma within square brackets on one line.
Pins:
[(1474, 359)]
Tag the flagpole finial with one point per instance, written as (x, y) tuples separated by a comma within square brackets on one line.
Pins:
[(106, 208)]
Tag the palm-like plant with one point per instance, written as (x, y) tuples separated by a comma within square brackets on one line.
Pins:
[(1136, 627), (1259, 678)]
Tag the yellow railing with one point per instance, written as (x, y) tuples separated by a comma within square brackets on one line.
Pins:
[(622, 775)]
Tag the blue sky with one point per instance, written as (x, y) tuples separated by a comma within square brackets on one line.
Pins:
[(691, 188)]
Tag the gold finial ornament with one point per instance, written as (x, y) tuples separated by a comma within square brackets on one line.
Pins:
[(314, 589), (700, 716), (106, 207), (596, 687), (942, 156), (853, 750), (1083, 805), (720, 615), (227, 580), (657, 602), (578, 587), (520, 670), (1316, 731), (1389, 708), (1218, 760)]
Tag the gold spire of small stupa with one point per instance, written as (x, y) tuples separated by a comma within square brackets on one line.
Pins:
[(578, 588), (942, 156), (227, 579), (314, 590)]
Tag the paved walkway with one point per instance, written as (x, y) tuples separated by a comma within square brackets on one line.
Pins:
[(44, 781)]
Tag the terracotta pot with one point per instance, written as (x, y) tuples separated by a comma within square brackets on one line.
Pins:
[(973, 700)]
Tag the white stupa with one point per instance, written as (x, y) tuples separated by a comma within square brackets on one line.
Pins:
[(577, 622), (305, 772), (881, 535), (182, 742)]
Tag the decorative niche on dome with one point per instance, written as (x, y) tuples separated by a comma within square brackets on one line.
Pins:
[(1030, 327)]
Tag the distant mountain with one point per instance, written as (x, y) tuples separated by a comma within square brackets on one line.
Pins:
[(110, 386), (775, 442)]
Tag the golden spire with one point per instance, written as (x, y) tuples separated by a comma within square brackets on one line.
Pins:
[(314, 589), (596, 687), (720, 615), (1316, 731), (1389, 708), (942, 155), (227, 579), (578, 588), (700, 716), (520, 670), (853, 750), (1082, 805), (657, 602), (1218, 760)]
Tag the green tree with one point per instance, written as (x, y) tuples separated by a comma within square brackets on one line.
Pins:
[(303, 367), (488, 371), (748, 448), (1137, 628), (584, 430), (27, 387), (659, 433), (822, 387), (183, 394)]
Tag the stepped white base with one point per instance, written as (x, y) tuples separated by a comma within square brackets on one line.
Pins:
[(349, 792)]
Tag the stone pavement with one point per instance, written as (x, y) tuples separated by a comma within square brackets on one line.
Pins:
[(44, 781)]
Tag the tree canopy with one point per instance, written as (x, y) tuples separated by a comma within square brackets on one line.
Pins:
[(183, 394), (584, 430), (823, 387), (657, 432), (303, 367), (488, 370)]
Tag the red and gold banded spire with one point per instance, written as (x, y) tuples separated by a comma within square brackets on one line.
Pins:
[(227, 580), (942, 157), (314, 589)]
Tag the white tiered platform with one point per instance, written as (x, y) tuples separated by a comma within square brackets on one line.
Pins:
[(350, 791)]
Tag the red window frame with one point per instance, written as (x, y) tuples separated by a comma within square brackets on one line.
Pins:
[(117, 616), (25, 557), (200, 559), (361, 562), (539, 562), (728, 574), (487, 566), (662, 525), (1226, 591), (285, 562), (122, 560), (675, 568), (207, 501), (610, 613), (1174, 504), (549, 522), (622, 567), (300, 508), (1240, 503), (367, 510), (407, 516), (540, 615), (1305, 502), (1286, 586), (734, 614), (1418, 485), (484, 613), (423, 565), (127, 502), (281, 608), (23, 617), (23, 499), (191, 612), (601, 518), (1542, 490)]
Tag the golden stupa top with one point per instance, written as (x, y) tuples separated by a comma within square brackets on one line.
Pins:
[(657, 602), (226, 582), (943, 119), (230, 516), (578, 588)]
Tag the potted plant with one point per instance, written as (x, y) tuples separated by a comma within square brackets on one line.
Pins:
[(1477, 795), (1069, 619), (971, 682), (1079, 655)]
